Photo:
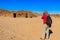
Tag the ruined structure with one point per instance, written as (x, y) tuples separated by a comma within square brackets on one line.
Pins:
[(14, 14)]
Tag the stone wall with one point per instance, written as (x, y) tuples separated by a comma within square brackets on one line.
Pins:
[(24, 14)]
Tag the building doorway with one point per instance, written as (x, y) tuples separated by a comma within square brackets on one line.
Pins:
[(14, 15), (26, 15)]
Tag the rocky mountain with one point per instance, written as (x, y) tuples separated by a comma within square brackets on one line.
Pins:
[(22, 13)]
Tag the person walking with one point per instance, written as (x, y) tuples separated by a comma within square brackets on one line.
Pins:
[(45, 25)]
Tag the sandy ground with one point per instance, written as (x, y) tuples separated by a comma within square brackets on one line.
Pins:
[(26, 28)]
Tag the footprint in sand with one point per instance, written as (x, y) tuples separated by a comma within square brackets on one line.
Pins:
[(13, 37)]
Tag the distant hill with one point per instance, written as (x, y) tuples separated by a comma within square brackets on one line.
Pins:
[(21, 13)]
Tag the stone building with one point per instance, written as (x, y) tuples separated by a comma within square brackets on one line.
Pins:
[(14, 14)]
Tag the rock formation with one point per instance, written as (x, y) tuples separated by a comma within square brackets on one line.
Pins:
[(22, 13)]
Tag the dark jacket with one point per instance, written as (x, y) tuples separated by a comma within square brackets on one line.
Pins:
[(49, 21)]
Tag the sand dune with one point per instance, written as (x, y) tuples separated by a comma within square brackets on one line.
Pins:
[(26, 28)]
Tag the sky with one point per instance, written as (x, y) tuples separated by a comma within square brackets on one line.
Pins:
[(52, 6)]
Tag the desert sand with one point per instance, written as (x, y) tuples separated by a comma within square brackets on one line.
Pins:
[(26, 28)]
